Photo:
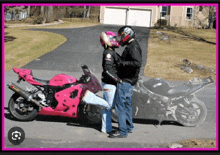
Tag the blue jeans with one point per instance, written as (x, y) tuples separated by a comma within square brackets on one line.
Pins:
[(123, 107), (108, 95)]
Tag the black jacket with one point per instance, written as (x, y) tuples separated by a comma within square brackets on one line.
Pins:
[(109, 64), (130, 65)]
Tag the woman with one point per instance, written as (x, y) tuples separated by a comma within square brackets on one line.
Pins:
[(110, 79)]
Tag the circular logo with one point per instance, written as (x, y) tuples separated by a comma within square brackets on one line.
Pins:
[(16, 135)]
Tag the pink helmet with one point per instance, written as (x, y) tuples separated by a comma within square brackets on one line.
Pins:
[(109, 38)]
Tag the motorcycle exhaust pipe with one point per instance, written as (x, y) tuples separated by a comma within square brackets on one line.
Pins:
[(23, 93)]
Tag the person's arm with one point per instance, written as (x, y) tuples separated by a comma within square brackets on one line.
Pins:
[(108, 67), (136, 58)]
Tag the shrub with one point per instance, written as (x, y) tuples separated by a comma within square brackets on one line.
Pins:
[(39, 19), (34, 20), (162, 22), (28, 20)]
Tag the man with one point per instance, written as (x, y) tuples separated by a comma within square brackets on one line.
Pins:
[(128, 72)]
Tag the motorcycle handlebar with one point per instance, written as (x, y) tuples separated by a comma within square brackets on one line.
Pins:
[(19, 80)]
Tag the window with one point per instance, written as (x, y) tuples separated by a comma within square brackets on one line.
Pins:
[(189, 13), (164, 11), (200, 8)]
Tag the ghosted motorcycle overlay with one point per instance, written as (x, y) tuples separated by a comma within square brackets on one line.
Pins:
[(156, 99)]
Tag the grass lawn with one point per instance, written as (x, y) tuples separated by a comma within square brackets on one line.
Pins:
[(209, 34), (164, 57), (23, 46), (73, 23), (67, 23)]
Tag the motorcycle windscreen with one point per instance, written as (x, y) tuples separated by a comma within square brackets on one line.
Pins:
[(94, 85)]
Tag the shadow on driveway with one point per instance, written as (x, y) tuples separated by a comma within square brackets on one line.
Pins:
[(77, 122)]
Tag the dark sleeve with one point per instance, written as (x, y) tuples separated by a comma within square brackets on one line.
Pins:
[(136, 57), (108, 66)]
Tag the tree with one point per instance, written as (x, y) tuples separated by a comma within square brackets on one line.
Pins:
[(14, 11), (212, 15), (6, 9), (208, 13), (88, 12), (59, 12), (29, 11), (84, 14), (42, 10), (49, 14), (69, 11)]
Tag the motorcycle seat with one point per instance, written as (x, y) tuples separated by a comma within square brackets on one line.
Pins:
[(44, 82), (181, 89)]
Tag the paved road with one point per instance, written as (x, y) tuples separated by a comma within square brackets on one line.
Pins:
[(82, 47)]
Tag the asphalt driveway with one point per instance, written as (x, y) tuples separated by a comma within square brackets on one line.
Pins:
[(83, 47)]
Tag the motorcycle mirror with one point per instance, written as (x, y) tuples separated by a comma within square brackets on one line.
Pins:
[(84, 67)]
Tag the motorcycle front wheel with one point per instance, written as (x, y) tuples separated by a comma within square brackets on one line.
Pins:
[(193, 114), (114, 116), (94, 115), (21, 109)]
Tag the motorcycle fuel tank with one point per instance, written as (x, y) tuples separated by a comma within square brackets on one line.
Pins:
[(157, 85), (62, 79)]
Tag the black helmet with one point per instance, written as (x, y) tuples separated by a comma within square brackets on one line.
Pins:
[(126, 33)]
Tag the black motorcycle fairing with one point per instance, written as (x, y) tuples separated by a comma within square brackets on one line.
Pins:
[(178, 90), (157, 85)]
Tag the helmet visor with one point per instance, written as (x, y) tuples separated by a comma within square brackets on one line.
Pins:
[(109, 40), (118, 38)]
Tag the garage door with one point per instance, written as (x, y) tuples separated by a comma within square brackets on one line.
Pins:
[(136, 17), (115, 16), (139, 18)]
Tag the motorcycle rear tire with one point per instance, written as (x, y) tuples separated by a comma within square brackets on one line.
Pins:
[(199, 119), (15, 113)]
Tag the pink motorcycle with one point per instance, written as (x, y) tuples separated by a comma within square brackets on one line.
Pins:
[(60, 96)]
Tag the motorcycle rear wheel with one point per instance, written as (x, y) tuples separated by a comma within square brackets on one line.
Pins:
[(196, 117), (25, 111)]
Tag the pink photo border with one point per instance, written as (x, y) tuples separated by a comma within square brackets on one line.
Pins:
[(109, 149)]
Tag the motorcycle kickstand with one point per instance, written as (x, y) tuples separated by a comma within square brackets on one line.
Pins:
[(160, 121)]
